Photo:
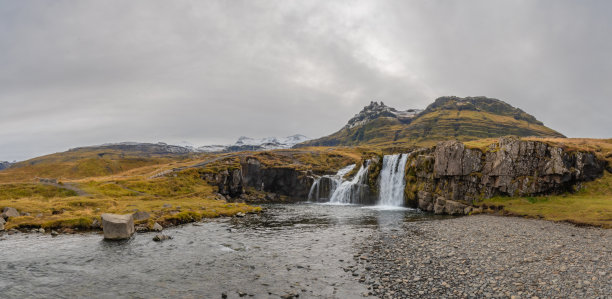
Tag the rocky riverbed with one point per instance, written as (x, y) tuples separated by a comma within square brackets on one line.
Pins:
[(487, 256)]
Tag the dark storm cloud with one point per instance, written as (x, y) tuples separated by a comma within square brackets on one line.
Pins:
[(88, 72)]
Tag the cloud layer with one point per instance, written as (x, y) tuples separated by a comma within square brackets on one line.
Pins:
[(88, 72)]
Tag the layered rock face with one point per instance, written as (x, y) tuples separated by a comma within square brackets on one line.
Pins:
[(450, 177), (282, 180), (252, 173)]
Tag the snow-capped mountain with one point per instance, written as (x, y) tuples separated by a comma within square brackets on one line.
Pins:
[(5, 164), (246, 143)]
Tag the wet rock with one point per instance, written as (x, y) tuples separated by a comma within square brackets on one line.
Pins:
[(54, 233), (9, 212), (2, 222), (160, 238), (141, 215), (240, 214), (117, 227), (67, 231), (157, 227), (95, 224)]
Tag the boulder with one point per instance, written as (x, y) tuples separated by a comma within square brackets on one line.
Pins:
[(157, 227), (439, 205), (140, 215), (454, 208), (117, 227), (425, 201), (9, 212)]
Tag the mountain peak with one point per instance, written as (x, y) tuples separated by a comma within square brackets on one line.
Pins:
[(481, 104), (447, 118), (376, 110)]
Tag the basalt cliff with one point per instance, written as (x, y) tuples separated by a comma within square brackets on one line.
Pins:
[(450, 177)]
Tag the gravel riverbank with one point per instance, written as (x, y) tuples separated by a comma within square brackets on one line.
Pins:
[(487, 256)]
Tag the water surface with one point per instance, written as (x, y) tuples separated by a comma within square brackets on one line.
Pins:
[(300, 249)]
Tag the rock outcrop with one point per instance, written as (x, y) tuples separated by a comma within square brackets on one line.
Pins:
[(117, 227), (281, 180), (447, 179)]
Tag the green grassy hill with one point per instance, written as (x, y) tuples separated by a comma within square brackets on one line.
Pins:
[(447, 118)]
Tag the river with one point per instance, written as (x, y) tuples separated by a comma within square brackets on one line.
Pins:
[(298, 249)]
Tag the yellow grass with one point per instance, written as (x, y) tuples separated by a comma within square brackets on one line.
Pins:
[(60, 208), (591, 206)]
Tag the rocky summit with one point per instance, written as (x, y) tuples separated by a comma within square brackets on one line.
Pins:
[(447, 118)]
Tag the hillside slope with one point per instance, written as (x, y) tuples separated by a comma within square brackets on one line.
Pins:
[(94, 161), (447, 118)]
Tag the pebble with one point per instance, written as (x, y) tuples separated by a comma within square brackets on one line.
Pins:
[(487, 256)]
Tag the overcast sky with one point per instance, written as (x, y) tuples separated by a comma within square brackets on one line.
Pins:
[(76, 73)]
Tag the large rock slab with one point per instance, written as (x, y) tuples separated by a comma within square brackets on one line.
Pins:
[(117, 227)]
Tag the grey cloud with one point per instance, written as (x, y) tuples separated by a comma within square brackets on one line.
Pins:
[(88, 72)]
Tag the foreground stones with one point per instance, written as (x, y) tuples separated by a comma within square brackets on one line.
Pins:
[(117, 227), (487, 256)]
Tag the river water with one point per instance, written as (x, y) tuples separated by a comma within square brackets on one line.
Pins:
[(289, 249)]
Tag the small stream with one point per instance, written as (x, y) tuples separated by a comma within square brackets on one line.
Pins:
[(289, 249)]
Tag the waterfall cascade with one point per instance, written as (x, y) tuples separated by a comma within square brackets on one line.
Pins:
[(353, 191), (392, 181), (323, 187)]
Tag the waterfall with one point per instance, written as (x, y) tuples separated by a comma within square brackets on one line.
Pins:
[(392, 181), (353, 191), (324, 186)]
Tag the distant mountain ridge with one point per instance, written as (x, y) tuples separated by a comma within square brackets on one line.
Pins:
[(256, 144), (242, 144), (447, 118), (5, 164)]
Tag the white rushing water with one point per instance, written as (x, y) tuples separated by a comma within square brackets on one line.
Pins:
[(334, 180), (351, 192), (392, 181)]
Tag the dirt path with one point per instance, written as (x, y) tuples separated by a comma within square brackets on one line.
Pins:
[(69, 186)]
